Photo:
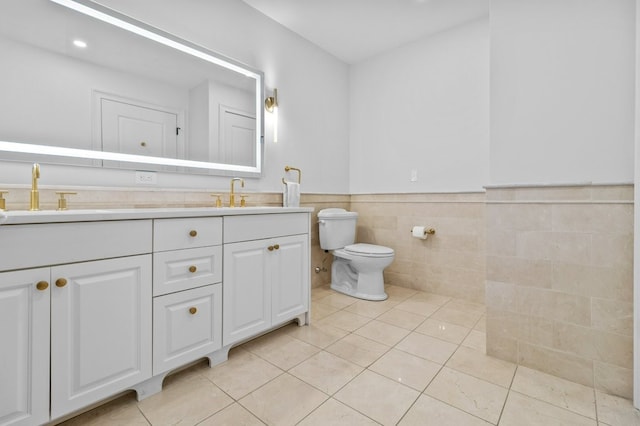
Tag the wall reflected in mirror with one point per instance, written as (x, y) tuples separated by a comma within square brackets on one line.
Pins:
[(73, 81)]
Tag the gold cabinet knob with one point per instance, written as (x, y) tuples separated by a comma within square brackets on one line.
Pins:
[(277, 246), (193, 310), (192, 269), (270, 248), (193, 233), (42, 285), (61, 282)]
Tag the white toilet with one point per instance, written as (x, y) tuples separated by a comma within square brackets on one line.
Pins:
[(357, 268)]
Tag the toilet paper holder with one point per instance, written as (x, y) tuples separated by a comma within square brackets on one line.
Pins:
[(427, 231)]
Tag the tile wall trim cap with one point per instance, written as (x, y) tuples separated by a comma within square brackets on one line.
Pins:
[(554, 185)]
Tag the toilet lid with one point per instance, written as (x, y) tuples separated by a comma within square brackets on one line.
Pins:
[(369, 249)]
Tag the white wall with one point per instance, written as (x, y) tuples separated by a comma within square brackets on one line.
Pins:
[(424, 106), (313, 133), (562, 91)]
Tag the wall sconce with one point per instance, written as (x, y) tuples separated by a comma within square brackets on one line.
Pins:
[(271, 105)]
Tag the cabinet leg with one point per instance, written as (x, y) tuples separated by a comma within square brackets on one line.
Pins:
[(302, 319), (149, 387), (219, 356)]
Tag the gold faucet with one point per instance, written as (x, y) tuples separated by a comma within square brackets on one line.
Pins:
[(232, 195), (34, 205)]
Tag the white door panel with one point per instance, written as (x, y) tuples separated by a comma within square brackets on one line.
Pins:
[(237, 138), (135, 129)]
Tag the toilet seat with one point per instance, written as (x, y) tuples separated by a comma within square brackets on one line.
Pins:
[(369, 250)]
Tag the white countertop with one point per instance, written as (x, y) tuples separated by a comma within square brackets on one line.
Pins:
[(53, 216)]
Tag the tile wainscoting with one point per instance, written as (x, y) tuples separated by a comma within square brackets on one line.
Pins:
[(449, 263), (560, 282)]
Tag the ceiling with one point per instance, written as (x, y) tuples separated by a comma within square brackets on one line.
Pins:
[(354, 30)]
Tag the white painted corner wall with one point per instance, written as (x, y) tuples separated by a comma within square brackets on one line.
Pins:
[(562, 91), (423, 107), (540, 93)]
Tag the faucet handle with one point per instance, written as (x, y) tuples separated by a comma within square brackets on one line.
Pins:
[(3, 204), (243, 202), (218, 200), (62, 202)]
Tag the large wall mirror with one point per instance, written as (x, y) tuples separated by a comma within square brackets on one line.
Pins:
[(83, 84)]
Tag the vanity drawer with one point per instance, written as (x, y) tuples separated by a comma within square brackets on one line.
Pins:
[(28, 246), (257, 227), (175, 234), (186, 325), (184, 269)]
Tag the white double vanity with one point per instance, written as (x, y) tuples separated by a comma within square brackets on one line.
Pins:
[(93, 303)]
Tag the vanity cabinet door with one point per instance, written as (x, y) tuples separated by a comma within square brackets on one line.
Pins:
[(100, 330), (246, 290), (290, 278), (186, 325), (266, 283), (24, 347)]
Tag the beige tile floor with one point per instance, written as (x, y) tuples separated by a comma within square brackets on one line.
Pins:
[(414, 359)]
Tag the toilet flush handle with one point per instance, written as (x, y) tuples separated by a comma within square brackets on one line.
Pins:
[(321, 222)]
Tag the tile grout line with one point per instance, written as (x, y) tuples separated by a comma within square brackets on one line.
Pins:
[(352, 332), (440, 370), (390, 348), (414, 329), (504, 405)]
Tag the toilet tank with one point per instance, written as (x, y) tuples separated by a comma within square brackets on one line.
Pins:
[(337, 228)]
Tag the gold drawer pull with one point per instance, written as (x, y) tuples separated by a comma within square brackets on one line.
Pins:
[(193, 310), (193, 233), (277, 246), (42, 285), (61, 282), (192, 269), (270, 248)]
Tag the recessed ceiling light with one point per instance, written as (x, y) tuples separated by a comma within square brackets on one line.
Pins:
[(79, 43)]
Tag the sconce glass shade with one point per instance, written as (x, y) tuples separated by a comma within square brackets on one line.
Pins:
[(271, 105), (271, 102)]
